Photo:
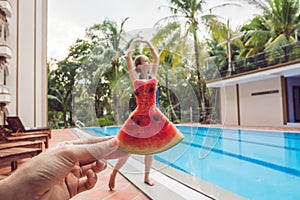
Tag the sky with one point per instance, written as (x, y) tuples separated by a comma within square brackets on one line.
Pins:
[(68, 19)]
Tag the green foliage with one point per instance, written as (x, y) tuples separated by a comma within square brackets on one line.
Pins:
[(220, 53), (192, 12), (262, 42), (177, 121), (55, 120), (60, 86), (81, 85), (107, 120), (276, 26)]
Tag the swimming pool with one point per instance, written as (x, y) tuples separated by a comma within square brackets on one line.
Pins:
[(253, 164)]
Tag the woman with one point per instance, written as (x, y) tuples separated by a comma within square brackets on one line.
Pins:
[(140, 68)]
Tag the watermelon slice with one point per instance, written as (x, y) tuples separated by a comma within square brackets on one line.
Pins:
[(147, 130)]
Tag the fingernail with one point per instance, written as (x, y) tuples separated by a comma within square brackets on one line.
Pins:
[(95, 176), (104, 164), (113, 142)]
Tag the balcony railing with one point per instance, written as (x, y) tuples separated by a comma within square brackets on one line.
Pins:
[(283, 55)]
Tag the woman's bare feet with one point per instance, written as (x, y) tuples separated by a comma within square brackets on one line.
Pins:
[(148, 181), (112, 178)]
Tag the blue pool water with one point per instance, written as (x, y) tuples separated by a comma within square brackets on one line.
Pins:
[(253, 164)]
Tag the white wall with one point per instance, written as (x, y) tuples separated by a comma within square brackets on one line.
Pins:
[(28, 67), (255, 110), (229, 111), (261, 110)]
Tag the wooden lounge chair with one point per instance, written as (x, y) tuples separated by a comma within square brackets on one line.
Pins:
[(36, 137), (28, 144), (14, 154), (17, 127), (8, 137), (18, 149)]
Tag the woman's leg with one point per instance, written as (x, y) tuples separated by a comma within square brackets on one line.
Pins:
[(148, 164), (120, 163)]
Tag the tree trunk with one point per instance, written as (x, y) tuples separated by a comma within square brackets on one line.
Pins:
[(200, 81), (71, 119), (65, 118), (173, 114), (98, 107)]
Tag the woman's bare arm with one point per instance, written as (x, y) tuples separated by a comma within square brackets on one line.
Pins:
[(129, 60), (155, 58)]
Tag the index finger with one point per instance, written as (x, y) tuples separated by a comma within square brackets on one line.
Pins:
[(90, 140), (93, 151)]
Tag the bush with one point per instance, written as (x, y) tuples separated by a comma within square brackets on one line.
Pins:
[(106, 121)]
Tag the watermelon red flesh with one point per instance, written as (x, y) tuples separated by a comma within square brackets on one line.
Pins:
[(147, 130)]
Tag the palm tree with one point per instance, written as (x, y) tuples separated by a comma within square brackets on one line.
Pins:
[(105, 61), (276, 27), (224, 47), (108, 34), (165, 41), (193, 13)]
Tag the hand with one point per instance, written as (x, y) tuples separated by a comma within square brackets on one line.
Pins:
[(142, 41), (138, 40), (62, 171), (132, 44)]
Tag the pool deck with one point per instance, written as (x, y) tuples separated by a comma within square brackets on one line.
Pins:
[(129, 185)]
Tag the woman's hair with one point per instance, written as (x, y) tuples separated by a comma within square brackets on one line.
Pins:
[(137, 62)]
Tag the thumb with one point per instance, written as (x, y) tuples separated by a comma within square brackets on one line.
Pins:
[(95, 151)]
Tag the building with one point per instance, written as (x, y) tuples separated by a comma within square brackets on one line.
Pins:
[(262, 90), (23, 60)]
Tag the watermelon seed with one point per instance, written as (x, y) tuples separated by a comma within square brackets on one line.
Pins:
[(138, 122), (136, 93), (155, 118), (151, 90)]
